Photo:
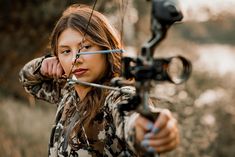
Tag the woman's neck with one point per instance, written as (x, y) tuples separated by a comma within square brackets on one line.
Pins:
[(82, 91)]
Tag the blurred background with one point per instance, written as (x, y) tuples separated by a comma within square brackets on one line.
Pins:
[(204, 105)]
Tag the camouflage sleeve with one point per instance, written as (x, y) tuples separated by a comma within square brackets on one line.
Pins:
[(38, 85), (124, 122)]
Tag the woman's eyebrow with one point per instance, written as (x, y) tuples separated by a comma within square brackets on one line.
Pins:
[(63, 46), (79, 43)]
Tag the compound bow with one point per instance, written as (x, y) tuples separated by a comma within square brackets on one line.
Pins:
[(146, 69)]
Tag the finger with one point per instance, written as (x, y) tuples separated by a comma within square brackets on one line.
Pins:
[(153, 142), (56, 72), (43, 69), (167, 147), (161, 121), (50, 69), (163, 141), (170, 127), (139, 134), (60, 71), (54, 69), (163, 133), (161, 148), (144, 123)]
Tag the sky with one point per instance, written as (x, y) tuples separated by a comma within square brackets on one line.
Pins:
[(203, 10)]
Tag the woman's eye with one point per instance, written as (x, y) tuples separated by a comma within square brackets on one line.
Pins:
[(65, 51), (87, 47)]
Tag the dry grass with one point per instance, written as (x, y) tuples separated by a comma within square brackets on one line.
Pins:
[(24, 131)]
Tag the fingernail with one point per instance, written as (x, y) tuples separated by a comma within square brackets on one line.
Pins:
[(151, 150), (145, 143), (155, 130), (148, 135), (149, 126)]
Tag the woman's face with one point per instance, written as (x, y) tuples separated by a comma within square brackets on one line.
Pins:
[(88, 68)]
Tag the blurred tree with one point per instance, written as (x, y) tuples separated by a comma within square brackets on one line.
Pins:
[(25, 26), (24, 31)]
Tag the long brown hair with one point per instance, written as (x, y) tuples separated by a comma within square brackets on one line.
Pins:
[(98, 32)]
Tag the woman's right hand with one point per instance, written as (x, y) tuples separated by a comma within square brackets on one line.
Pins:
[(160, 136), (51, 68)]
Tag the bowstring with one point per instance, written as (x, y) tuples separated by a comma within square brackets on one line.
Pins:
[(83, 39), (77, 56), (123, 8)]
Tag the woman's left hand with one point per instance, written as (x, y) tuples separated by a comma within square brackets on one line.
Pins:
[(159, 136)]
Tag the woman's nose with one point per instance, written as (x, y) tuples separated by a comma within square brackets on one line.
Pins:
[(76, 58)]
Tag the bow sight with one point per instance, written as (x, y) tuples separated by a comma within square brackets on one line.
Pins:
[(164, 14)]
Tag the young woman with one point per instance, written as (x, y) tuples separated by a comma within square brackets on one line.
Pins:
[(88, 122)]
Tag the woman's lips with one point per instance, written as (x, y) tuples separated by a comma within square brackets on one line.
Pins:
[(79, 72)]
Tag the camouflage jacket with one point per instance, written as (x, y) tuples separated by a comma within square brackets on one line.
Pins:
[(111, 133)]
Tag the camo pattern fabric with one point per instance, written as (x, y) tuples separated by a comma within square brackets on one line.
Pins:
[(110, 134)]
